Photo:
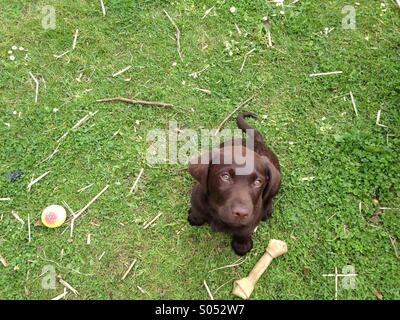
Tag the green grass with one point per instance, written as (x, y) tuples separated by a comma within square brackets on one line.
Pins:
[(310, 124)]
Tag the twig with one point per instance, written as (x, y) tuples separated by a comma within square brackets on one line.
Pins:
[(152, 221), (140, 289), (121, 71), (208, 11), (353, 102), (267, 27), (102, 255), (68, 286), (29, 228), (84, 188), (235, 264), (132, 101), (129, 269), (75, 39), (84, 119), (17, 217), (393, 242), (3, 261), (136, 181), (238, 30), (36, 86), (378, 118), (177, 35), (245, 58), (88, 240), (241, 104), (336, 284), (5, 199), (208, 290), (37, 180), (325, 73), (90, 202), (62, 137), (103, 8), (51, 155), (62, 295), (61, 55), (203, 90)]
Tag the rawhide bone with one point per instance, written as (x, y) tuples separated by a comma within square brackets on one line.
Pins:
[(245, 286)]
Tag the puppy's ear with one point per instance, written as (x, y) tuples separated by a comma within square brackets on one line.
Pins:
[(198, 168), (274, 178)]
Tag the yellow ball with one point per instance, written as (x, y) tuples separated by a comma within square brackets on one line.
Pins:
[(54, 216)]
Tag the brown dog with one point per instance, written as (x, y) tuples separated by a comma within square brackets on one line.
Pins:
[(232, 202)]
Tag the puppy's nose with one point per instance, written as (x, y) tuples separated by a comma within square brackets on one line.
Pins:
[(240, 212)]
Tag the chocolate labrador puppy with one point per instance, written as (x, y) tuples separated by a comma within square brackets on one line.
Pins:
[(229, 200)]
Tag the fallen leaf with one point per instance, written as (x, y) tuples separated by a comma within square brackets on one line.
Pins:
[(378, 212), (306, 271), (378, 294)]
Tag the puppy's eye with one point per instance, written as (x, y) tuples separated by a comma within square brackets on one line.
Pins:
[(258, 183), (225, 177)]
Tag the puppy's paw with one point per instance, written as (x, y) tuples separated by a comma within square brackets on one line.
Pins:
[(241, 248), (195, 220)]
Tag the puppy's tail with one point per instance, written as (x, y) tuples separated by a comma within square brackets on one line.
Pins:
[(242, 124)]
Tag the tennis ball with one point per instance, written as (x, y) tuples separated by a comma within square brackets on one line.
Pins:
[(54, 216)]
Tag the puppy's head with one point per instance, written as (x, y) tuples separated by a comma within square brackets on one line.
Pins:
[(236, 180)]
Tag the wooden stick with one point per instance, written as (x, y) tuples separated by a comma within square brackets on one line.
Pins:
[(3, 261), (121, 71), (202, 90), (152, 221), (353, 102), (61, 55), (90, 202), (245, 58), (84, 188), (84, 119), (17, 217), (102, 255), (103, 8), (129, 269), (241, 104), (177, 35), (208, 11), (62, 295), (51, 155), (132, 101), (336, 283), (36, 86), (136, 181), (325, 73), (37, 180), (75, 39), (62, 137), (208, 290), (68, 286), (235, 264)]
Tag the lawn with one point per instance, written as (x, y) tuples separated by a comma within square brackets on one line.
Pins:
[(338, 167)]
